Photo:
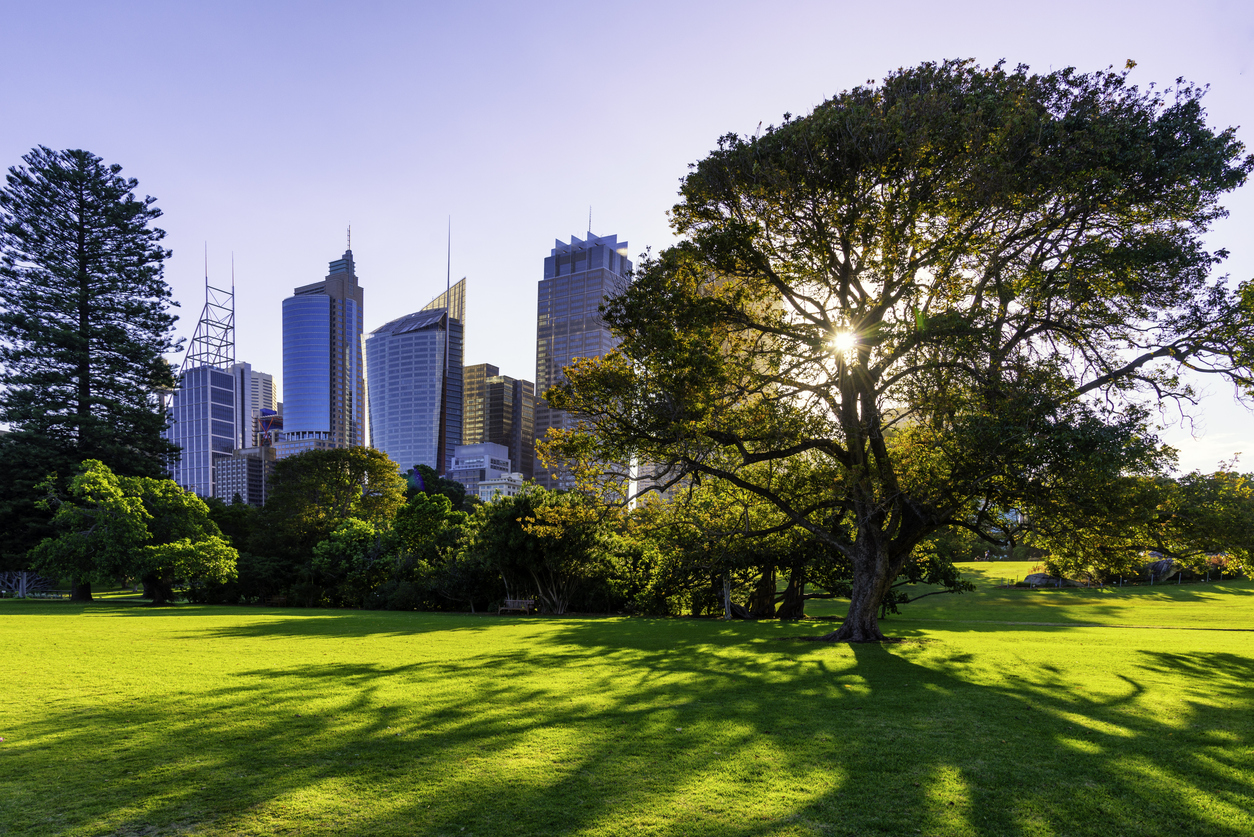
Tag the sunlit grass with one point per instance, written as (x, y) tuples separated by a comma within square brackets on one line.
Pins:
[(126, 720)]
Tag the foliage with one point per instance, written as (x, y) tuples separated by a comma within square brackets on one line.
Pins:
[(237, 520), (544, 542), (952, 296), (84, 322), (1203, 523), (433, 483), (113, 527), (312, 493)]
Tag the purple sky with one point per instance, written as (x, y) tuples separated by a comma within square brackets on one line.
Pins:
[(266, 129)]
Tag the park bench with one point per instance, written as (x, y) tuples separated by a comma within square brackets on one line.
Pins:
[(276, 601), (523, 606)]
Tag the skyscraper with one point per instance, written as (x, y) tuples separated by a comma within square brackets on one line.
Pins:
[(500, 410), (578, 277), (324, 387), (202, 409), (414, 370)]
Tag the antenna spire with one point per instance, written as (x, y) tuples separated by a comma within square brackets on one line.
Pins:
[(350, 236), (589, 221)]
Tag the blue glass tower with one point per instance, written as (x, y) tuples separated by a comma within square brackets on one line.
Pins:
[(324, 388), (414, 369)]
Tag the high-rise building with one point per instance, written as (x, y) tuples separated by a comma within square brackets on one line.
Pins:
[(472, 464), (202, 409), (414, 373), (324, 387), (244, 474), (578, 277), (254, 392), (501, 410), (202, 414)]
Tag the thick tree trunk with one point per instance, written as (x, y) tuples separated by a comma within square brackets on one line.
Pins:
[(871, 578), (80, 591), (793, 605), (162, 590), (762, 605)]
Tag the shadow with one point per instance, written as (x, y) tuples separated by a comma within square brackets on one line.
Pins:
[(349, 725)]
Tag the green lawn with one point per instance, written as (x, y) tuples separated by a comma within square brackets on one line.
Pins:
[(1003, 713)]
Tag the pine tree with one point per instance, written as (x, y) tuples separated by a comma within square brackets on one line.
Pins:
[(84, 322)]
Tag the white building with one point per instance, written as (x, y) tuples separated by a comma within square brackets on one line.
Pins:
[(509, 485)]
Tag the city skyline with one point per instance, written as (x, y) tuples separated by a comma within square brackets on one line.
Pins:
[(490, 124)]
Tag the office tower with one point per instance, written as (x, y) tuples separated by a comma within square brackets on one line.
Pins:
[(501, 410), (202, 409), (472, 464), (414, 370), (323, 377), (578, 277), (254, 392), (245, 473)]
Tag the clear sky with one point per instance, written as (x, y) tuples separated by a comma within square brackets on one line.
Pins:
[(266, 129)]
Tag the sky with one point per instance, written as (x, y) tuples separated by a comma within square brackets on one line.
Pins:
[(266, 129)]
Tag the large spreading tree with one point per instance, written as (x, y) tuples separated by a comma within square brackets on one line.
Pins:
[(950, 300), (84, 322)]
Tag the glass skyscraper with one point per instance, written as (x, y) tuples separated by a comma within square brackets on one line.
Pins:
[(414, 373), (324, 388), (578, 277), (202, 413), (501, 410)]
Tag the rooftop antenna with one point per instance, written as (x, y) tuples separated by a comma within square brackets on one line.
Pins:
[(350, 236), (213, 343), (589, 221)]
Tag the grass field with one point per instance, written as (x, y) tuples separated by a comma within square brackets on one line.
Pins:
[(1003, 712)]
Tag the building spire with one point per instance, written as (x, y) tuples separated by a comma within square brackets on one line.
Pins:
[(350, 238)]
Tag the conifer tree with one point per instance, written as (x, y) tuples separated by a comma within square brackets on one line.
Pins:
[(84, 322)]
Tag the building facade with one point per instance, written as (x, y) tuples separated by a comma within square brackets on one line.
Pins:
[(501, 410), (473, 464), (245, 473), (324, 385), (578, 277), (414, 372), (202, 424), (510, 485)]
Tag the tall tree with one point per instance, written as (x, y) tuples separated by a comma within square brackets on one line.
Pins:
[(84, 322), (949, 296), (111, 527), (312, 493)]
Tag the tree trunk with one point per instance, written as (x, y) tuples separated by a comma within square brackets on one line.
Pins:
[(80, 591), (762, 605), (793, 605), (871, 579), (161, 588)]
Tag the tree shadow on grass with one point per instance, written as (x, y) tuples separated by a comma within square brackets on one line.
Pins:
[(661, 727)]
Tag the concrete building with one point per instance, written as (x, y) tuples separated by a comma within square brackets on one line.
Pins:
[(501, 410), (324, 386), (578, 277), (509, 485), (414, 372), (472, 464), (246, 472)]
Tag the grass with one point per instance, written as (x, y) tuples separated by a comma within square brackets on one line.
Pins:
[(125, 720)]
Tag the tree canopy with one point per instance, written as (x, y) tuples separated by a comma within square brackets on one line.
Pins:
[(112, 527), (84, 322), (312, 493), (950, 300)]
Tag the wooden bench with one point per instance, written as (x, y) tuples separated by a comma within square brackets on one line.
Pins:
[(523, 606), (276, 601)]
